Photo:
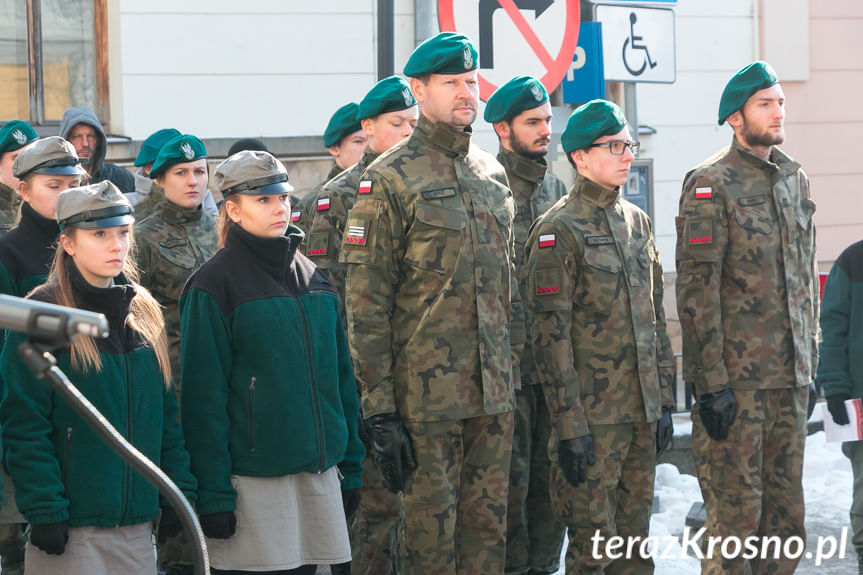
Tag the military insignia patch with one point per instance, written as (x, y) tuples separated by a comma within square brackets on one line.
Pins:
[(703, 193), (323, 204), (355, 235), (317, 252), (548, 290), (468, 58), (187, 150), (700, 231), (19, 136), (546, 240), (409, 98), (295, 216), (537, 93), (365, 187)]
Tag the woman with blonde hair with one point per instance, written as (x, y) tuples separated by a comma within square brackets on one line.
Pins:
[(88, 510)]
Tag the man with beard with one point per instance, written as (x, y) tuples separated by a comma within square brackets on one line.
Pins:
[(428, 247), (80, 127), (521, 115), (747, 295)]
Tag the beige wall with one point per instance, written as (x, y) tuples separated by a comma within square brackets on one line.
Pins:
[(824, 123)]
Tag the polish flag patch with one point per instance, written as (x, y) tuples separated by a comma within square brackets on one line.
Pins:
[(356, 235), (546, 240), (295, 216), (365, 187), (703, 193), (323, 204)]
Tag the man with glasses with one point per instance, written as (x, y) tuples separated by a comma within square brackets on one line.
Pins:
[(597, 328), (747, 293)]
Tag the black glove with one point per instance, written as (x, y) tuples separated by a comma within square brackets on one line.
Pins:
[(836, 406), (717, 412), (363, 430), (219, 525), (169, 525), (813, 397), (50, 537), (575, 455), (392, 449), (350, 501), (664, 429)]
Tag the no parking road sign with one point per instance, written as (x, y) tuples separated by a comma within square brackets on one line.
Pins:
[(535, 37)]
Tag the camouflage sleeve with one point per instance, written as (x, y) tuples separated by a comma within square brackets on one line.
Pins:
[(144, 262), (816, 284), (323, 245), (373, 244), (702, 239), (666, 365), (551, 283)]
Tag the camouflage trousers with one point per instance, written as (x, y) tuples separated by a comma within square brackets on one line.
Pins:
[(853, 450), (752, 482), (176, 556), (534, 537), (374, 530), (616, 500), (454, 504), (12, 540)]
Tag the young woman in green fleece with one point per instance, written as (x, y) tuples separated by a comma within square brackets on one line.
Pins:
[(89, 512), (269, 401)]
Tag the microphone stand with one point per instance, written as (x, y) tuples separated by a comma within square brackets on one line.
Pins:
[(44, 365)]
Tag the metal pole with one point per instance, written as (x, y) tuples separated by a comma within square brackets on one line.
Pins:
[(386, 38), (425, 20)]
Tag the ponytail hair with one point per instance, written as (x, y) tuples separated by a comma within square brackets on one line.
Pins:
[(225, 222)]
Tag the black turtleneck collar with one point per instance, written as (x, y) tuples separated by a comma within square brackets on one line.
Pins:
[(174, 214), (42, 230), (454, 143), (274, 254), (113, 301)]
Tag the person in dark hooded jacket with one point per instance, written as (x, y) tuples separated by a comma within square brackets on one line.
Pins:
[(82, 128)]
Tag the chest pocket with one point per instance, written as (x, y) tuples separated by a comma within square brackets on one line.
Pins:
[(178, 253), (805, 213), (754, 215), (600, 278), (436, 237)]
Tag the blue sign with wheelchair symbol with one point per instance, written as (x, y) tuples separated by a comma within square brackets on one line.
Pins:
[(637, 43)]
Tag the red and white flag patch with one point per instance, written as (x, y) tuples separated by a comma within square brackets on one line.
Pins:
[(323, 204), (295, 216), (365, 187), (546, 240), (355, 235), (703, 193)]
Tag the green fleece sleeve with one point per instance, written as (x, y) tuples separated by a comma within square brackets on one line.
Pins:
[(174, 458), (205, 352), (833, 366), (351, 466)]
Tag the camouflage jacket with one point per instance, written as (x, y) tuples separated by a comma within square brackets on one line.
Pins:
[(323, 242), (747, 290), (597, 325), (9, 202), (171, 244), (534, 190), (303, 213), (148, 205), (429, 247)]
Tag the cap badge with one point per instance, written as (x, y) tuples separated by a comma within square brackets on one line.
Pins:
[(406, 94), (187, 150), (537, 93), (468, 58), (19, 136)]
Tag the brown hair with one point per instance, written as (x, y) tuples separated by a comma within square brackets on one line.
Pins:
[(225, 222), (145, 315)]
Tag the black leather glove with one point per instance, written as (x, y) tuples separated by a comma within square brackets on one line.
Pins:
[(50, 537), (392, 449), (664, 429), (717, 412), (169, 525), (350, 501), (575, 455), (836, 407), (219, 525), (363, 430), (813, 397)]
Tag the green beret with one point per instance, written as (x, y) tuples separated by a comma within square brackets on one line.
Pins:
[(15, 135), (446, 53), (589, 122), (154, 142), (343, 123), (748, 80), (93, 207), (519, 94), (389, 95), (185, 148)]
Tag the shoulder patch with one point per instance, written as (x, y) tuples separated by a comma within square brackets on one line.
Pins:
[(295, 216), (356, 232), (703, 193), (547, 240), (323, 204), (365, 187)]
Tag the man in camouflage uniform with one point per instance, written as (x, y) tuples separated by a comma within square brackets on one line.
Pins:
[(428, 245), (388, 114), (597, 327), (521, 115), (747, 298), (13, 136), (345, 140)]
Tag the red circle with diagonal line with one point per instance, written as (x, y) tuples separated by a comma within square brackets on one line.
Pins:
[(555, 66)]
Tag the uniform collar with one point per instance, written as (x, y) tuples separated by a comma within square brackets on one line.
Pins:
[(274, 255), (174, 214), (34, 225), (595, 194), (454, 143), (335, 170), (525, 168), (368, 157), (779, 160), (8, 198)]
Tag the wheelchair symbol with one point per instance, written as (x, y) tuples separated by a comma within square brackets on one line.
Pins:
[(632, 44)]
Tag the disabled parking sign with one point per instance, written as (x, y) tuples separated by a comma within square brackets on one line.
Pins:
[(637, 43)]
